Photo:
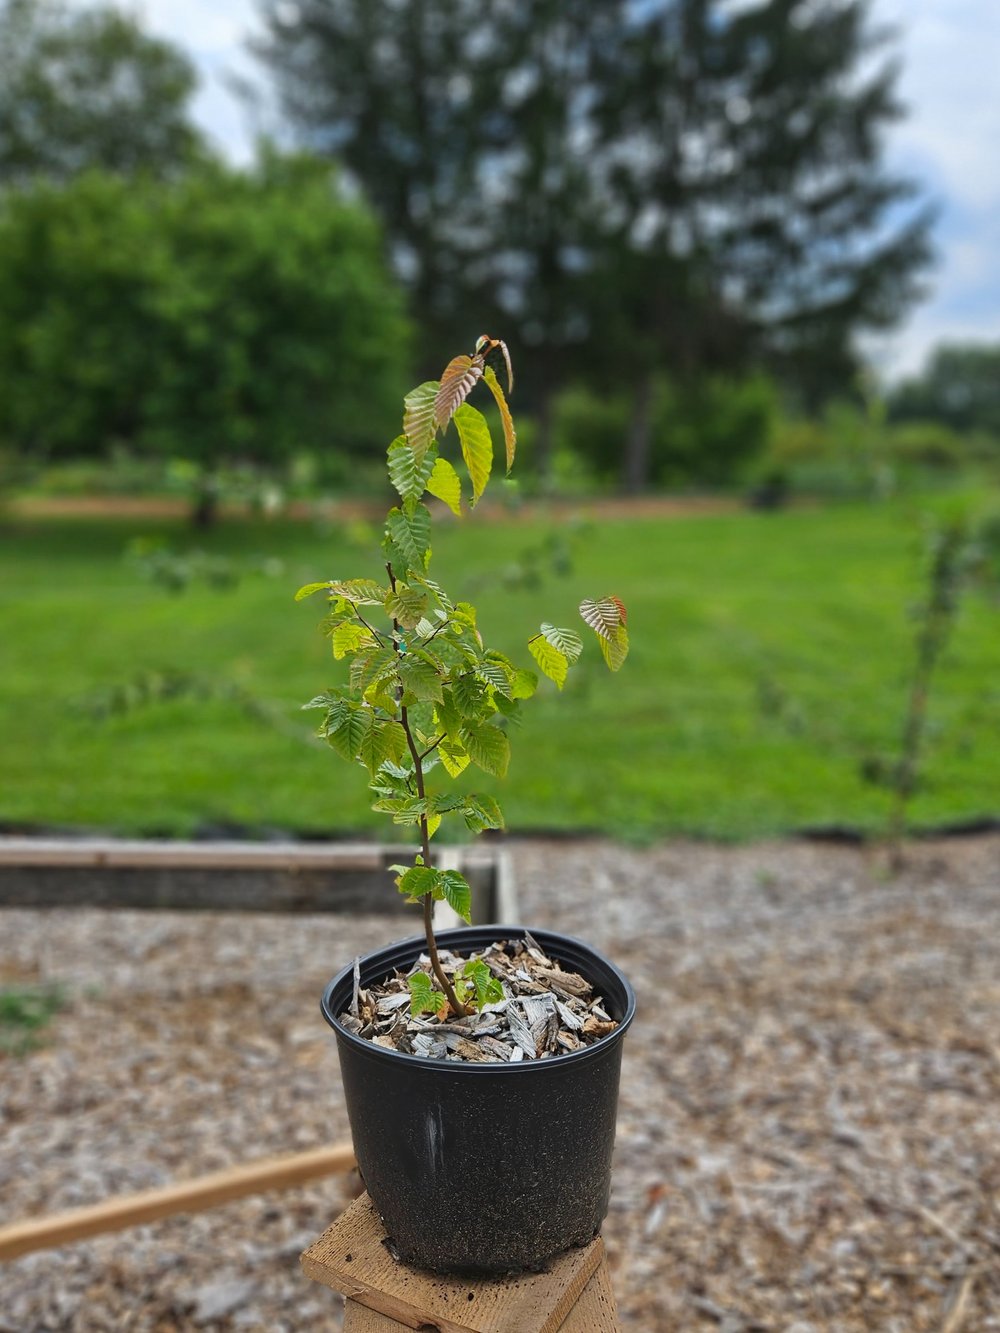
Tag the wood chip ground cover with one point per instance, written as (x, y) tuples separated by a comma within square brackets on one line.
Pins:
[(544, 1012), (808, 1135)]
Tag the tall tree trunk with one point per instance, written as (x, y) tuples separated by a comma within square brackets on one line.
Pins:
[(206, 502), (638, 443), (543, 439)]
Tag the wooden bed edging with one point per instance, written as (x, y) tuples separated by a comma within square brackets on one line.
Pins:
[(186, 1196)]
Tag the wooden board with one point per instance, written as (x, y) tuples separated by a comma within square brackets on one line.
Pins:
[(594, 1312), (351, 1257), (232, 876), (187, 1196)]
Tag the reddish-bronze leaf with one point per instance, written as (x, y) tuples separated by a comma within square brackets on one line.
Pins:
[(604, 616), (460, 377)]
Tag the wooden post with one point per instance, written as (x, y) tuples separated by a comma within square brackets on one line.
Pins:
[(385, 1296)]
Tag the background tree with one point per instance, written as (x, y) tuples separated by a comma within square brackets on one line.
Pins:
[(635, 187), (959, 386), (222, 316), (89, 88)]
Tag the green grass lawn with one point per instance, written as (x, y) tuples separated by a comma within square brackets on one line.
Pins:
[(770, 655)]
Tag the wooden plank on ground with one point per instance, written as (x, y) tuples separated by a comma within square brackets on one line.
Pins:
[(351, 1257), (186, 1196)]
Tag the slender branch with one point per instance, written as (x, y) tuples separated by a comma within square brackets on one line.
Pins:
[(431, 748), (370, 628), (425, 836)]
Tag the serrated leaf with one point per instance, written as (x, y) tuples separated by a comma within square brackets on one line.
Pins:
[(408, 473), (362, 592), (410, 534), (509, 434), (454, 889), (417, 881), (308, 589), (477, 446), (460, 377), (468, 695), (485, 986), (406, 605), (372, 668), (346, 724), (615, 650), (603, 616), (567, 641), (420, 678), (380, 741), (488, 748), (454, 758), (496, 670), (482, 812), (320, 701), (423, 997), (443, 482), (524, 684), (348, 637), (551, 661), (419, 426)]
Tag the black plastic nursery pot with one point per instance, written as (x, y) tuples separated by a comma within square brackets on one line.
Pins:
[(487, 1167)]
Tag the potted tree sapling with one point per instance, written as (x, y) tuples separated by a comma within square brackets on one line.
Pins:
[(480, 1065)]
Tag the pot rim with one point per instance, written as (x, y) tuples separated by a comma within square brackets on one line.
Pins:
[(472, 1068)]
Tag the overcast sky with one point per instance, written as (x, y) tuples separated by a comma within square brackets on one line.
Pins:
[(950, 141)]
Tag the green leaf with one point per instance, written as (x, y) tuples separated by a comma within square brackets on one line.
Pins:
[(408, 473), (407, 605), (420, 678), (349, 637), (320, 701), (362, 592), (551, 661), (410, 534), (443, 483), (496, 670), (454, 758), (524, 684), (468, 695), (380, 741), (485, 985), (454, 889), (423, 997), (509, 434), (373, 668), (419, 425), (615, 650), (417, 881), (487, 747), (567, 641), (482, 812), (477, 446), (308, 589), (346, 727)]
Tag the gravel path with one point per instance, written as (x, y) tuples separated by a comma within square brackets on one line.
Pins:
[(809, 1134)]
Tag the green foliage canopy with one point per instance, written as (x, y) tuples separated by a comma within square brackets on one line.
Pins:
[(221, 315)]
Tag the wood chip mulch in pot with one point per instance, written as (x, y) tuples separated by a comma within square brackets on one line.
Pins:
[(545, 1011)]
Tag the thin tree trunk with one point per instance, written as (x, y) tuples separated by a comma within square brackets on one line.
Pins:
[(543, 439), (638, 443)]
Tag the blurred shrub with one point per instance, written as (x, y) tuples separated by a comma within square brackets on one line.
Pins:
[(704, 433), (851, 452), (222, 316)]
